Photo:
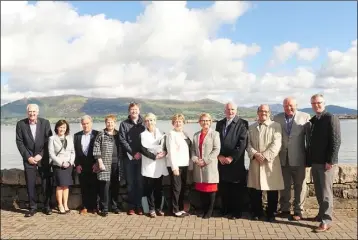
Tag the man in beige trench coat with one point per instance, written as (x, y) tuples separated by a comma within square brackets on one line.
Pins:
[(265, 139)]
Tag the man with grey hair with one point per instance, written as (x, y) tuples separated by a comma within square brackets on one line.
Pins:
[(32, 134), (231, 160), (324, 144), (84, 162), (294, 126)]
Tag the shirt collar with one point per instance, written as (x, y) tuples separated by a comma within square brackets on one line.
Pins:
[(86, 134), (33, 122)]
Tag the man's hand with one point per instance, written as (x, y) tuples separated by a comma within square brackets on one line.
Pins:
[(228, 160), (95, 168), (222, 159), (79, 169), (328, 166), (176, 172), (66, 164), (137, 156), (259, 157), (38, 158), (32, 160)]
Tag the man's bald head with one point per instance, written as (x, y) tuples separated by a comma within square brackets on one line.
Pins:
[(290, 106)]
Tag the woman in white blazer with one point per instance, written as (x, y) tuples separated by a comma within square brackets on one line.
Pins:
[(62, 157), (153, 165)]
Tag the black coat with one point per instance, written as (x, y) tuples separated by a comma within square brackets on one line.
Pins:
[(27, 146), (324, 140), (234, 145), (129, 136), (81, 159)]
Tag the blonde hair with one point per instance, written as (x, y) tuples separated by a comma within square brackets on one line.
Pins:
[(205, 115), (178, 116), (150, 115), (110, 116)]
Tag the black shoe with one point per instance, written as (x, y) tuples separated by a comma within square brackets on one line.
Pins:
[(271, 219), (103, 214), (116, 211), (284, 214), (47, 211), (30, 213)]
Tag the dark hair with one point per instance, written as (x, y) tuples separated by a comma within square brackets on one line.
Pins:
[(60, 123), (133, 104)]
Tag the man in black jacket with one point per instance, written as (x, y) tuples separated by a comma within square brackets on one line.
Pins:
[(232, 172), (84, 162), (324, 143), (32, 136), (129, 137)]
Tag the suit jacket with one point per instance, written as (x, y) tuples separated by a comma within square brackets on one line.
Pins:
[(266, 140), (30, 147), (325, 139), (61, 154), (294, 145), (234, 145), (210, 153), (81, 159)]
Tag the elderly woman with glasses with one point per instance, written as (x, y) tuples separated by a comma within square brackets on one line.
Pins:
[(178, 146), (153, 164), (205, 150)]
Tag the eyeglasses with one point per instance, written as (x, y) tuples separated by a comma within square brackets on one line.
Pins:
[(149, 120), (261, 111), (314, 103), (205, 120)]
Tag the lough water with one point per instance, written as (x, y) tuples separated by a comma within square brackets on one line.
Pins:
[(10, 157)]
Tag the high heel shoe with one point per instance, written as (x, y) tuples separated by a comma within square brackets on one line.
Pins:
[(61, 210), (67, 210)]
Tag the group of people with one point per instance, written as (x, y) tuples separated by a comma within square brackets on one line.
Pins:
[(279, 151)]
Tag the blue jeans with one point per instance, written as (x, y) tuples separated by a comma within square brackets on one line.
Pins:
[(134, 182)]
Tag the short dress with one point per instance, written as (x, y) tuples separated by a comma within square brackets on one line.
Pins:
[(204, 187), (62, 177)]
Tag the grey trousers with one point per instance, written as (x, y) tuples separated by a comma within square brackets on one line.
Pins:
[(323, 185), (297, 176)]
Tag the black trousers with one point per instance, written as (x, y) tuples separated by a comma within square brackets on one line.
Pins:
[(153, 190), (207, 201), (256, 202), (109, 190), (89, 190), (46, 184), (178, 184), (231, 198)]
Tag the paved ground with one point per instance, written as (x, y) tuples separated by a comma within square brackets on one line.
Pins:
[(75, 226)]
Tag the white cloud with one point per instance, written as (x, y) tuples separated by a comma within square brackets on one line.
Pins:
[(308, 54), (170, 51)]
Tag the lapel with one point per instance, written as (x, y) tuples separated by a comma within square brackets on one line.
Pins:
[(29, 129), (205, 139), (294, 123), (38, 129), (228, 130)]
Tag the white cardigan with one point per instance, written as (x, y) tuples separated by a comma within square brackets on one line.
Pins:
[(178, 150), (153, 168)]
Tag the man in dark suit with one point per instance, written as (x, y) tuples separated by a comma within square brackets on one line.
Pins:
[(84, 162), (324, 144), (232, 172), (32, 136)]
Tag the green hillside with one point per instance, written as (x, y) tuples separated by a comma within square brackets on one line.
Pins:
[(72, 107)]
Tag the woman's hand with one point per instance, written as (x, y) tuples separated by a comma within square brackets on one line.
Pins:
[(176, 172)]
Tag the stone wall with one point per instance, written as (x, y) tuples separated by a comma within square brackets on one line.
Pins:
[(13, 189)]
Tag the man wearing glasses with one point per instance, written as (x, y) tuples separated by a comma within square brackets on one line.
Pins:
[(324, 143)]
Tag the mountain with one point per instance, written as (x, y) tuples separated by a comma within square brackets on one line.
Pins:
[(74, 106)]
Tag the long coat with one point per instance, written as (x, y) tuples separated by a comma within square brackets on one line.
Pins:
[(233, 144), (103, 148), (266, 140), (211, 149), (294, 144)]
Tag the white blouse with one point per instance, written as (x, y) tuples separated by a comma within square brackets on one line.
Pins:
[(178, 150), (153, 168)]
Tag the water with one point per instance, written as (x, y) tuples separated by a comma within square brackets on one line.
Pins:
[(10, 157)]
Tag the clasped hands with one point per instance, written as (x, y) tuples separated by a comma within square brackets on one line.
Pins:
[(34, 160), (259, 157), (161, 155), (224, 160)]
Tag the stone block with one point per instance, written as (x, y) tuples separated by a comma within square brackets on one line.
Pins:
[(347, 173), (339, 188), (336, 174), (22, 194), (11, 176), (350, 194), (74, 201), (75, 190), (8, 191), (308, 175)]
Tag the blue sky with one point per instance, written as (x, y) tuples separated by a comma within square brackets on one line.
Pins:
[(328, 25)]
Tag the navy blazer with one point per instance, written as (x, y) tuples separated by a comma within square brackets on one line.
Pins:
[(27, 146)]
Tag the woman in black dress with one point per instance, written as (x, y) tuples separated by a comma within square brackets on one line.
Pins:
[(62, 157)]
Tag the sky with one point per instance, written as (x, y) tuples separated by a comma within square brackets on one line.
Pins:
[(246, 52)]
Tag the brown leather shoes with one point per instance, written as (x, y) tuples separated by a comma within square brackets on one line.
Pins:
[(83, 211), (322, 228), (296, 217), (139, 211), (131, 212)]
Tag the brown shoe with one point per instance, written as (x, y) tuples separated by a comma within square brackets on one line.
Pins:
[(83, 211), (139, 211), (131, 212), (322, 228), (296, 217)]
